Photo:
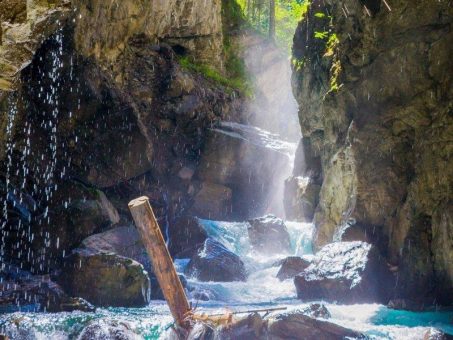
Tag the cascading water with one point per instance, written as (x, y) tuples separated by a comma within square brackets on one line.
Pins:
[(261, 290), (37, 160)]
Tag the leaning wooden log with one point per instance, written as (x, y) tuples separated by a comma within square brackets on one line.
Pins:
[(164, 269)]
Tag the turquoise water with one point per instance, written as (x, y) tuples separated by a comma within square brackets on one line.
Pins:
[(262, 289), (153, 322)]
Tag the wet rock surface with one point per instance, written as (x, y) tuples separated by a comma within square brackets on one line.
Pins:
[(214, 262), (269, 235), (291, 266), (300, 326), (346, 272), (105, 279), (108, 329), (286, 326), (36, 293), (317, 310)]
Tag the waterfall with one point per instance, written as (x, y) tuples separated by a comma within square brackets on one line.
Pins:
[(34, 165)]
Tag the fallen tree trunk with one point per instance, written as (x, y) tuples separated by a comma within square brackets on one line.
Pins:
[(164, 269)]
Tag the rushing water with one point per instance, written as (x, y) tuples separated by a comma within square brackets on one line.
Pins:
[(261, 289)]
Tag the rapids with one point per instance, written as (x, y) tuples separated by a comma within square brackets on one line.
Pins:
[(262, 289)]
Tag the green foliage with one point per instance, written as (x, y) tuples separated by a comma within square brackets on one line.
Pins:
[(288, 13), (331, 45), (236, 77), (321, 35), (298, 64)]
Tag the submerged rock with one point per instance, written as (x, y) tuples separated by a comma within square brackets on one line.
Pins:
[(346, 272), (214, 262), (291, 266), (108, 329), (269, 235), (299, 326), (105, 279), (317, 310), (286, 326)]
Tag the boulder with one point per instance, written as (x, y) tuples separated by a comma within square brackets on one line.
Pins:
[(93, 213), (39, 292), (80, 211), (291, 266), (156, 291), (108, 329), (124, 241), (346, 272), (269, 235), (187, 235), (286, 326), (214, 262), (317, 310), (299, 326), (105, 279)]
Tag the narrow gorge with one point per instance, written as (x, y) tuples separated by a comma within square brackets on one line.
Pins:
[(296, 154)]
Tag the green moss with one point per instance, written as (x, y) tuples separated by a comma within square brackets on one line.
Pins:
[(331, 45), (298, 64), (235, 77)]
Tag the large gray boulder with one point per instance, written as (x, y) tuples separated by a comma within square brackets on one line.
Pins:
[(108, 330), (123, 240), (283, 327), (214, 262), (291, 266), (268, 234), (346, 272), (105, 279)]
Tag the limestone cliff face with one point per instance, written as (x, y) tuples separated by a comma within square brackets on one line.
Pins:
[(373, 81), (104, 27), (24, 25)]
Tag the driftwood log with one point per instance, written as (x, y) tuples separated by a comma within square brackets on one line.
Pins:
[(164, 269)]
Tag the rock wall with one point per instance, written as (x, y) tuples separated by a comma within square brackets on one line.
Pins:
[(103, 28), (195, 26), (373, 81), (24, 25)]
